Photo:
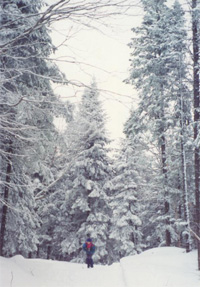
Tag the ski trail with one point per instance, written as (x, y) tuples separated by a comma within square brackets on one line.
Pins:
[(99, 276), (123, 274), (32, 272), (159, 267)]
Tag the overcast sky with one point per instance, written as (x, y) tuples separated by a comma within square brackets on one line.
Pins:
[(102, 53)]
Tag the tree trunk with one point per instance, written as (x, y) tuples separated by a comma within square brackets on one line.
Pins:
[(48, 251), (184, 173), (185, 195), (196, 117), (5, 206), (166, 204)]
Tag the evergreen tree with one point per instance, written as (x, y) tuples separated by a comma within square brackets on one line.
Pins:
[(148, 183), (50, 187), (196, 101), (27, 113), (86, 200), (125, 231), (157, 47)]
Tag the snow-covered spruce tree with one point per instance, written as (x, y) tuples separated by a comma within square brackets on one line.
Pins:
[(86, 203), (196, 106), (125, 232), (147, 164), (62, 199), (155, 69), (179, 132), (53, 206), (26, 120)]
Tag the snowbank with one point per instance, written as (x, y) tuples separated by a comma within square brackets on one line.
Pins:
[(158, 267)]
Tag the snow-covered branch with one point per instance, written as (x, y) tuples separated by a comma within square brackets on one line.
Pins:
[(194, 233)]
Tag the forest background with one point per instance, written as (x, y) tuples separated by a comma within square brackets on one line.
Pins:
[(56, 187)]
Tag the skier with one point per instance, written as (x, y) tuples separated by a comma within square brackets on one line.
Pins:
[(89, 248)]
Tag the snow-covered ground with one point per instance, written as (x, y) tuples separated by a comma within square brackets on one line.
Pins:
[(159, 267)]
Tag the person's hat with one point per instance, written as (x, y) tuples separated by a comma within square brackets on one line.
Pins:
[(89, 240)]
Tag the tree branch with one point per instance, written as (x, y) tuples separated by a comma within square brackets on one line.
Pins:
[(195, 235)]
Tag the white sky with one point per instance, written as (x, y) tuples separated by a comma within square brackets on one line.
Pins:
[(104, 54)]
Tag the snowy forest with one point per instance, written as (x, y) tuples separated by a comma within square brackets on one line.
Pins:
[(57, 187)]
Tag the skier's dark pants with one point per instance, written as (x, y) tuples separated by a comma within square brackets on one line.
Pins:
[(89, 261)]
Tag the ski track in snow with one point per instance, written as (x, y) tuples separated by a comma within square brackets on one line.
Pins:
[(40, 273), (159, 267)]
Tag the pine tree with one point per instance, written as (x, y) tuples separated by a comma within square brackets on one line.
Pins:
[(125, 231), (87, 198), (196, 100), (26, 120), (148, 181), (154, 72)]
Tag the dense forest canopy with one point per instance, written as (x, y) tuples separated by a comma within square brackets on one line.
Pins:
[(57, 187)]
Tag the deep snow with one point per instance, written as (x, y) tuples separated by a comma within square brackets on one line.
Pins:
[(159, 267)]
